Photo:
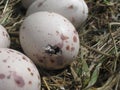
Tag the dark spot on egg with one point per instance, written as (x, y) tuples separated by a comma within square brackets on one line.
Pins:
[(4, 33), (68, 47), (5, 61), (57, 32), (18, 80), (31, 74), (59, 60), (71, 7), (24, 58), (64, 20), (60, 45), (9, 76), (8, 66), (29, 69), (44, 57), (40, 60), (72, 48), (11, 51), (30, 82), (50, 34), (2, 76), (63, 37), (75, 32), (41, 3), (52, 61), (38, 77), (74, 39), (7, 35), (23, 27)]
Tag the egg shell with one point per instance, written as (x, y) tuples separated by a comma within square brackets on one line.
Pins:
[(4, 38), (27, 3), (41, 30), (17, 72), (74, 10)]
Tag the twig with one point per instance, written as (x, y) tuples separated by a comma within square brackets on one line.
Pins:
[(114, 43), (116, 51), (5, 7), (45, 83), (95, 50)]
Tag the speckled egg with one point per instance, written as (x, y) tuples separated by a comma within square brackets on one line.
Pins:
[(74, 10), (49, 39), (27, 3), (4, 38), (17, 72)]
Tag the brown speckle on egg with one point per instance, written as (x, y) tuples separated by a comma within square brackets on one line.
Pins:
[(40, 60), (60, 45), (29, 69), (41, 3), (59, 61), (71, 7), (50, 34), (72, 48), (68, 47), (24, 58), (75, 32), (11, 51), (3, 33), (31, 74), (23, 27), (2, 76), (52, 61), (9, 76), (74, 39), (8, 66), (63, 37), (4, 60), (18, 80), (7, 35), (57, 32), (30, 82)]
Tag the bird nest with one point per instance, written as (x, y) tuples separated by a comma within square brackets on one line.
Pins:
[(97, 66)]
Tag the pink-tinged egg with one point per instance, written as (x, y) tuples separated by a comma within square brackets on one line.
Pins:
[(49, 39), (4, 38), (74, 10), (27, 3), (17, 72)]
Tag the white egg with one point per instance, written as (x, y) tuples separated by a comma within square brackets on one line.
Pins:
[(49, 39), (74, 10), (17, 72), (27, 3), (4, 38)]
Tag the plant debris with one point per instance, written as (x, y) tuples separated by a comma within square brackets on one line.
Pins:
[(97, 66)]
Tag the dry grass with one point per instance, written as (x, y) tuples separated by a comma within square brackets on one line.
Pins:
[(98, 64)]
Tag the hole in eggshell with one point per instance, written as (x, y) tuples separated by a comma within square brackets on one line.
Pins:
[(52, 49)]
